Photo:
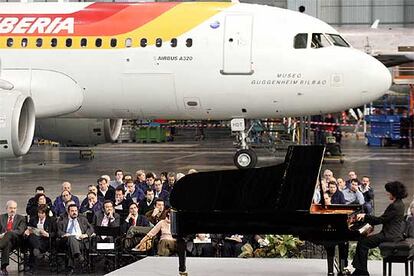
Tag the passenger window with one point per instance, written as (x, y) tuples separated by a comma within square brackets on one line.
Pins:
[(98, 42), (143, 42), (114, 42), (128, 42), (10, 42), (158, 42), (173, 42), (24, 42), (53, 42), (189, 42), (337, 40), (39, 42), (69, 42), (319, 41), (84, 42), (300, 41)]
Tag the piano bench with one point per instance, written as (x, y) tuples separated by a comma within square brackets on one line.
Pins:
[(398, 252)]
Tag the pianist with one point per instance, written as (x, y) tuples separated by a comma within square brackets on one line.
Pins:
[(391, 221)]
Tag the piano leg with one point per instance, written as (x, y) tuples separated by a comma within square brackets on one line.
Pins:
[(181, 248)]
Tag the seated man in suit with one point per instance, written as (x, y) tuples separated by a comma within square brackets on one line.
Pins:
[(93, 206), (60, 203), (105, 190), (158, 213), (122, 203), (106, 217), (12, 227), (74, 229), (134, 218), (40, 228)]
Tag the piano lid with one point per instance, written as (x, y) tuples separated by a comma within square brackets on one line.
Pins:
[(286, 187)]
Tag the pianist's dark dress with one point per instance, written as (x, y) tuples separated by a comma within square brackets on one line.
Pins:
[(391, 220)]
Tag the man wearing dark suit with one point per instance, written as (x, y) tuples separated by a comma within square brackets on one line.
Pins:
[(40, 228), (147, 203), (107, 216), (12, 227), (122, 203), (105, 191), (74, 229), (32, 203), (391, 221), (133, 219), (159, 192)]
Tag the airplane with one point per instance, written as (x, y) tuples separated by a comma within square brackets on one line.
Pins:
[(75, 70)]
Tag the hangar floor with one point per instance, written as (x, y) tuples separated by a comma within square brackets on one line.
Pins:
[(50, 166)]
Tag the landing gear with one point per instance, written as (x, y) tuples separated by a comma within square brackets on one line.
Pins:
[(244, 158)]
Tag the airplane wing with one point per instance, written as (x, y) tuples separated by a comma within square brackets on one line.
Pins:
[(393, 60)]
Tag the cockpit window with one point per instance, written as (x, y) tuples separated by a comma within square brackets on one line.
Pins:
[(337, 40), (300, 41), (319, 41)]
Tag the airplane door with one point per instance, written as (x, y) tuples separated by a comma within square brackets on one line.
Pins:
[(237, 56)]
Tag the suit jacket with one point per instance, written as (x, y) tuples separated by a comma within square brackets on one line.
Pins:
[(109, 195), (84, 225), (99, 216), (19, 224), (391, 220), (49, 224), (141, 221), (31, 206)]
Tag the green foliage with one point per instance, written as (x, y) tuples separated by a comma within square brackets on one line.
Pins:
[(373, 254), (280, 246)]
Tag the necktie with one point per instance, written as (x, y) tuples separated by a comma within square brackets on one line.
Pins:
[(71, 226), (133, 221), (10, 224)]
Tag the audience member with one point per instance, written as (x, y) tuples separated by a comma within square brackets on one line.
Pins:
[(104, 190), (74, 230), (61, 202), (352, 194), (337, 197), (119, 175), (12, 227), (133, 192), (159, 192), (33, 202), (178, 176), (170, 182), (167, 244), (40, 228), (140, 179), (93, 207), (122, 204), (341, 184), (158, 213), (368, 193), (163, 177), (134, 218), (351, 176), (147, 203), (232, 244), (107, 216), (93, 189), (40, 199)]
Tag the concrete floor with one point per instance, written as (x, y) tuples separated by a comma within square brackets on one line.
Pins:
[(50, 166)]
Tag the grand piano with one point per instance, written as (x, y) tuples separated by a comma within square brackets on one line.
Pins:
[(268, 200)]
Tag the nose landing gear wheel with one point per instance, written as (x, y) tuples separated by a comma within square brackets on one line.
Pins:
[(245, 159)]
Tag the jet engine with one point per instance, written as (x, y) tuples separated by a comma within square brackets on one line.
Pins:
[(79, 132), (17, 122)]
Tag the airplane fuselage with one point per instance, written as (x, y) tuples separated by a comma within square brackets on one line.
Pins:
[(182, 61)]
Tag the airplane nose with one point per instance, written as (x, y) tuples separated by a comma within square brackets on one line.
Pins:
[(376, 79)]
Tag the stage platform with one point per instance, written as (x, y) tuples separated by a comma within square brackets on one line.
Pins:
[(168, 266)]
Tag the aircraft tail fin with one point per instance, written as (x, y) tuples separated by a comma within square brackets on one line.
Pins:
[(375, 24)]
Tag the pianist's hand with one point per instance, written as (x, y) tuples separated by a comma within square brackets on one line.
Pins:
[(360, 217)]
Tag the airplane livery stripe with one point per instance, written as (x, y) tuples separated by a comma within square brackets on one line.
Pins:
[(124, 22)]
